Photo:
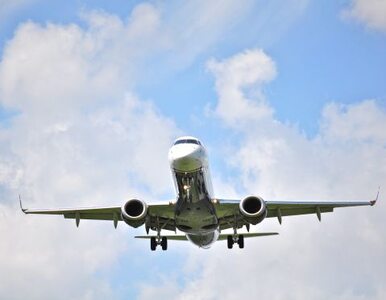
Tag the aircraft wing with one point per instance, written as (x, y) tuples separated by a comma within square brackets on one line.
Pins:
[(228, 211), (163, 213)]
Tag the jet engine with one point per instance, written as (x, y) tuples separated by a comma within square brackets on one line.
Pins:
[(134, 212), (253, 209)]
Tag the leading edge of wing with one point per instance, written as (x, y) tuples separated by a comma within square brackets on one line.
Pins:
[(325, 203), (60, 211), (321, 203)]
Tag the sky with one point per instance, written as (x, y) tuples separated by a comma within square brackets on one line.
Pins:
[(288, 97)]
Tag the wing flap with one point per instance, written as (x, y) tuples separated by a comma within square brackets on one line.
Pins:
[(92, 216), (297, 211)]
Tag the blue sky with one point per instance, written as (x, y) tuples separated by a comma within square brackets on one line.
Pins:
[(289, 99), (313, 54)]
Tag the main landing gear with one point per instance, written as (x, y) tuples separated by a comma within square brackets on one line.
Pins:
[(239, 239), (154, 242), (236, 238)]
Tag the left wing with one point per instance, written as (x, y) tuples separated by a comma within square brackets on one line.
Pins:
[(228, 211), (159, 214)]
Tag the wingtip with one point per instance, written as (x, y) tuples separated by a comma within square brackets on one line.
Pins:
[(373, 202), (21, 205)]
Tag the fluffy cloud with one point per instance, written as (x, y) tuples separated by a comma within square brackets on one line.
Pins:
[(370, 12), (246, 71), (80, 137), (337, 259), (81, 134)]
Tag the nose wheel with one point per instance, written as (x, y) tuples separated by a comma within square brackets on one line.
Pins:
[(239, 239)]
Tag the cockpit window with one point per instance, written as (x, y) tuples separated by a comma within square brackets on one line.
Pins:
[(187, 141)]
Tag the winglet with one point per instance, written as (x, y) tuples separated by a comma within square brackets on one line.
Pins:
[(21, 205), (372, 202)]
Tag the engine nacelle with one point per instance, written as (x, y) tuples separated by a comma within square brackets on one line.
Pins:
[(134, 212), (253, 209)]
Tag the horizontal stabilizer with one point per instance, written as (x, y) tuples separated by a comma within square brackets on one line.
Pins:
[(223, 237), (175, 237)]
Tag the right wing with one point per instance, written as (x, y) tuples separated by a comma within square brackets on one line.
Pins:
[(228, 211)]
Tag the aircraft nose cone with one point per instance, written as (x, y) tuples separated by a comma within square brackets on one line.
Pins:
[(186, 157)]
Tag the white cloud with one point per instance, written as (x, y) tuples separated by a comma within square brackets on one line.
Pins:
[(81, 132), (82, 137), (372, 13), (340, 258), (362, 122), (244, 71)]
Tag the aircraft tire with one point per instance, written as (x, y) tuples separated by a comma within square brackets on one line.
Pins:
[(230, 241), (164, 243), (240, 241), (153, 243)]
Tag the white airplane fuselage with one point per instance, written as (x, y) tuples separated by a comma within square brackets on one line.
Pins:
[(195, 214)]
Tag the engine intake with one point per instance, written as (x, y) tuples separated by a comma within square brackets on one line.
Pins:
[(134, 212), (253, 209)]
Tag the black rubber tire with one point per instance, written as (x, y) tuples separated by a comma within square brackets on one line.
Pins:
[(153, 243), (240, 241), (164, 243), (230, 241)]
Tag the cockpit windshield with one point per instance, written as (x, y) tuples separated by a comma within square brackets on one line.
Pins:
[(187, 141)]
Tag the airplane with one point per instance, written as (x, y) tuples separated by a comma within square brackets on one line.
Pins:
[(195, 211)]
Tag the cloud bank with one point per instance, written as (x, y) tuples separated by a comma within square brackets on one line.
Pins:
[(76, 136), (337, 259), (81, 132)]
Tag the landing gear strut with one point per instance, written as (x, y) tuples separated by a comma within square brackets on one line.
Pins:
[(155, 241), (239, 239), (236, 238)]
